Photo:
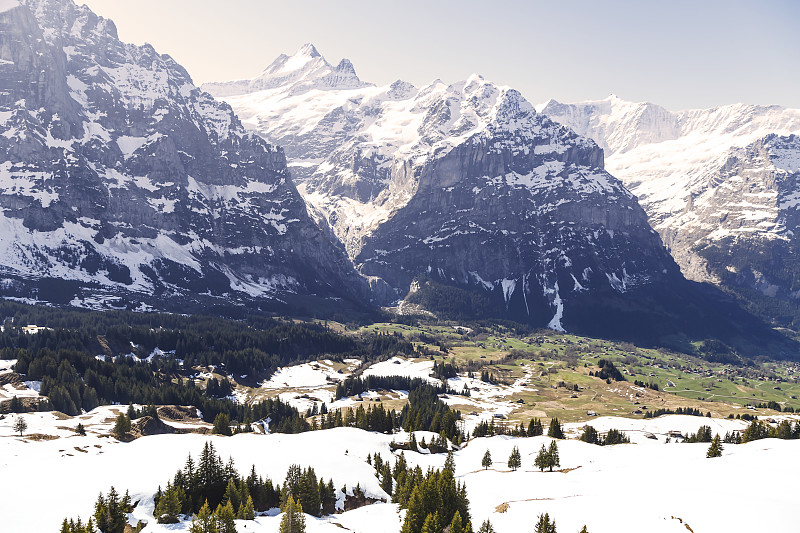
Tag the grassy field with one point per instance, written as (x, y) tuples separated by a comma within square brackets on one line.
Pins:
[(682, 380), (557, 366)]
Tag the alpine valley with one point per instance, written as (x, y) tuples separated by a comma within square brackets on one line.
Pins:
[(461, 199), (307, 303)]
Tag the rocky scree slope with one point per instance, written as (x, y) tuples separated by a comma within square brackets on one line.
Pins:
[(122, 182)]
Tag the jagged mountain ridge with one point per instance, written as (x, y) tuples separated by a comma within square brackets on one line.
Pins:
[(305, 70), (467, 186), (718, 180), (120, 175)]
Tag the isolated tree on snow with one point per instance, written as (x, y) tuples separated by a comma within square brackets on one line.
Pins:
[(552, 456), (555, 430), (545, 525), (583, 530), (515, 459), (715, 450), (542, 459), (80, 429), (20, 425), (486, 462)]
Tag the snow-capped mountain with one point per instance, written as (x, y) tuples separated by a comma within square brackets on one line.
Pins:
[(715, 182), (118, 174), (304, 71), (465, 185)]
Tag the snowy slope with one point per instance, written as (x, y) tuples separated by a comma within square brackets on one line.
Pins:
[(657, 483), (678, 166)]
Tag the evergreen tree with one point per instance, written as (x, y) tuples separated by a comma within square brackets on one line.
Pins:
[(20, 425), (486, 462), (515, 459), (291, 484), (429, 526), (80, 430), (204, 521), (545, 525), (121, 426), (555, 430), (542, 460), (455, 524), (293, 520), (386, 479), (246, 511), (169, 505), (590, 435), (308, 492), (535, 428), (584, 530), (552, 456), (715, 450), (486, 527), (222, 425), (224, 516), (110, 513), (16, 405), (232, 494)]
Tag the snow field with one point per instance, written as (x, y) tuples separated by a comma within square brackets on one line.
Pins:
[(629, 487)]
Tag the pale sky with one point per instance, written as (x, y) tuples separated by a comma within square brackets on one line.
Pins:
[(677, 53)]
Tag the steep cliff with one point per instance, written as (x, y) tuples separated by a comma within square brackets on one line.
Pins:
[(122, 182)]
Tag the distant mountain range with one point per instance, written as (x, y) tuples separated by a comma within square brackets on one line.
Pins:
[(124, 185), (462, 198)]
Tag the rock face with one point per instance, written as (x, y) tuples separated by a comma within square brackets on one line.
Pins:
[(718, 185), (118, 175), (463, 199)]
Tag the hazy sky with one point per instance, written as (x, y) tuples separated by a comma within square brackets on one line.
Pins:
[(677, 53)]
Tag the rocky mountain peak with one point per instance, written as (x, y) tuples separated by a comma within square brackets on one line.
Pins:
[(122, 180), (306, 70), (307, 50)]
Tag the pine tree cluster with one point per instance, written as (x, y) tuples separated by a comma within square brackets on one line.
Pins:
[(373, 418), (761, 430), (613, 436), (691, 411), (434, 499), (109, 515), (489, 429)]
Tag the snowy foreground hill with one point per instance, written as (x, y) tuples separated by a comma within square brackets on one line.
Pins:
[(645, 486)]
